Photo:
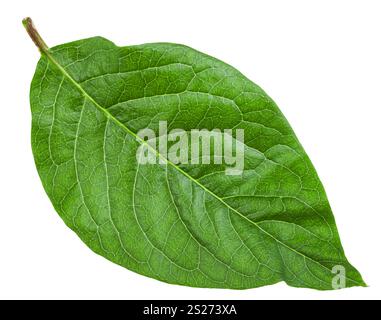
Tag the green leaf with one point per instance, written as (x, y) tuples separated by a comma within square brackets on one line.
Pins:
[(184, 224)]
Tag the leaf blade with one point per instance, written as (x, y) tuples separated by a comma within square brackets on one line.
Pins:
[(103, 56)]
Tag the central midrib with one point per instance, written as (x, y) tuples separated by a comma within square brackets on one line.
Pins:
[(129, 131)]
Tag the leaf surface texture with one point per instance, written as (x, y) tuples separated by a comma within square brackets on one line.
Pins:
[(184, 224)]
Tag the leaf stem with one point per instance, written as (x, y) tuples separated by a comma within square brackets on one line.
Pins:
[(34, 35)]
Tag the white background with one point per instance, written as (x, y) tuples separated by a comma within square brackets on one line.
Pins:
[(319, 60)]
